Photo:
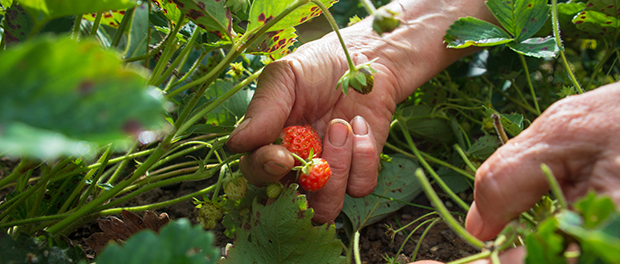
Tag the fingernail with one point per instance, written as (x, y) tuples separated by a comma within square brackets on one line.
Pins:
[(360, 127), (474, 224), (240, 127), (275, 168), (338, 132)]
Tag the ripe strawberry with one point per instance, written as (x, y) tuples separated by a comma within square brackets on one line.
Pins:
[(315, 175), (300, 140)]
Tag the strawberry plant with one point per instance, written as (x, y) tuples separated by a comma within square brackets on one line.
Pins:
[(102, 102)]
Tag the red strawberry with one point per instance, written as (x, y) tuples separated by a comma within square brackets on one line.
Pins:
[(315, 176), (300, 140)]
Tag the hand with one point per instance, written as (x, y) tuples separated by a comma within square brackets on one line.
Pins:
[(576, 137), (510, 256), (301, 89)]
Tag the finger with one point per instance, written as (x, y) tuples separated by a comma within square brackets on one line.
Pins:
[(337, 145), (268, 110), (365, 160), (509, 256), (267, 164)]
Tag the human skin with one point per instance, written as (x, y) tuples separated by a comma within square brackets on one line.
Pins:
[(301, 89)]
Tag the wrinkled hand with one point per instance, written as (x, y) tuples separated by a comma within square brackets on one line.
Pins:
[(301, 89)]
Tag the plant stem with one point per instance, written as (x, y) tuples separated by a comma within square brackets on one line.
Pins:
[(411, 234), (555, 186), (75, 32), (529, 82), (433, 160), (556, 33), (23, 166), (465, 158), (95, 27), (168, 51), (428, 228), (436, 177), (121, 28), (356, 247), (27, 194), (468, 259), (332, 23), (443, 211), (370, 8), (181, 57), (191, 70), (497, 124), (217, 102), (598, 67)]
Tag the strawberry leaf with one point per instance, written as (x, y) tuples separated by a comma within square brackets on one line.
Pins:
[(169, 8), (47, 9), (521, 18), (46, 116), (469, 31), (274, 43), (282, 232), (108, 18), (138, 33), (394, 181), (536, 47), (212, 16), (262, 11), (600, 18), (17, 25)]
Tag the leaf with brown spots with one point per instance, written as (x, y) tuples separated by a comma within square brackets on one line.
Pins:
[(262, 11), (275, 43), (601, 19), (210, 15), (109, 18), (282, 232), (60, 8), (169, 8), (118, 230), (521, 18), (17, 25)]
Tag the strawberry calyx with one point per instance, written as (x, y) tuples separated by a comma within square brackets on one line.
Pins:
[(313, 173)]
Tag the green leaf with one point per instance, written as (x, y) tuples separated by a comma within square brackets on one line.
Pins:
[(274, 42), (455, 181), (594, 209), (17, 25), (512, 123), (469, 31), (208, 14), (536, 47), (262, 11), (521, 18), (546, 245), (169, 9), (138, 33), (177, 242), (394, 181), (484, 147), (110, 18), (422, 122), (566, 13), (600, 18), (57, 8), (52, 105), (602, 241), (282, 232), (231, 110)]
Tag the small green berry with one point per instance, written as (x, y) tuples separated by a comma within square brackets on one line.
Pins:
[(236, 189), (384, 21), (274, 190), (209, 214)]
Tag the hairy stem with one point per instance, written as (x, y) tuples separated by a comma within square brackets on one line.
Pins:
[(332, 23), (558, 40), (529, 83), (121, 28), (95, 27)]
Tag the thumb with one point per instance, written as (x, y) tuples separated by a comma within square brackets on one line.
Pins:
[(268, 110)]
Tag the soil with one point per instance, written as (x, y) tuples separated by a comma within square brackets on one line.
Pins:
[(440, 243)]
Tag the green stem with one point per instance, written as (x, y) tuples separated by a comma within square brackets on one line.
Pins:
[(465, 158), (369, 6), (181, 57), (75, 32), (495, 257), (95, 180), (558, 40), (529, 82), (332, 23), (474, 257), (433, 160), (23, 166), (27, 194), (168, 51), (217, 102), (105, 196), (555, 186), (121, 28), (414, 221), (191, 70), (428, 228), (95, 27), (122, 165), (598, 66), (152, 53), (443, 211), (356, 247), (436, 177)]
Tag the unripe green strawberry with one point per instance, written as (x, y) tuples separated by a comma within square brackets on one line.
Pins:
[(209, 214), (236, 188), (300, 140), (315, 175), (384, 21), (274, 190)]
